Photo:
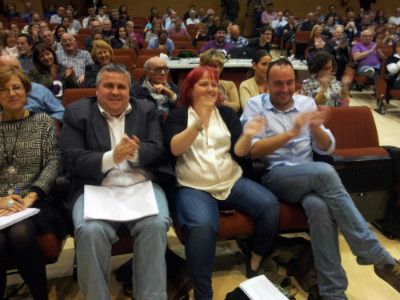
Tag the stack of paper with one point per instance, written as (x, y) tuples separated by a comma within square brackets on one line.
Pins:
[(120, 204), (7, 221), (260, 288)]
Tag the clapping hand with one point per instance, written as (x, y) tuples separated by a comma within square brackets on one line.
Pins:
[(255, 126), (126, 149)]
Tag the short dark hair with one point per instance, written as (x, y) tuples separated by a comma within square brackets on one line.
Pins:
[(279, 62), (161, 32), (220, 28), (265, 28), (29, 38), (318, 60)]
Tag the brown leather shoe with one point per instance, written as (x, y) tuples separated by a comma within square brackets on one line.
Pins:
[(391, 274)]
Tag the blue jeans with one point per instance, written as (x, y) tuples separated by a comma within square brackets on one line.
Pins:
[(361, 71), (197, 212), (328, 206), (93, 248)]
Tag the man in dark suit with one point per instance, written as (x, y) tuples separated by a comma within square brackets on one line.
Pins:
[(112, 140)]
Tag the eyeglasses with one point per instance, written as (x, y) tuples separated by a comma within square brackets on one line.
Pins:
[(15, 88), (158, 70)]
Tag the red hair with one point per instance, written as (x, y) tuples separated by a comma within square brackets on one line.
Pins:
[(186, 97)]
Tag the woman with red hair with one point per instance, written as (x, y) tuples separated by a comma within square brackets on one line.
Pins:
[(206, 139)]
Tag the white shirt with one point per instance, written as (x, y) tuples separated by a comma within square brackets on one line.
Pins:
[(209, 155), (123, 174), (394, 20)]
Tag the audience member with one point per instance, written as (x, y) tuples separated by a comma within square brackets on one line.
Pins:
[(123, 14), (106, 28), (278, 24), (56, 19), (95, 27), (75, 24), (123, 41), (186, 16), (102, 55), (116, 22), (367, 55), (192, 20), (156, 27), (205, 138), (380, 17), (9, 43), (212, 28), (310, 22), (124, 154), (289, 33), (340, 48), (393, 70), (90, 18), (263, 41), (268, 14), (13, 26), (50, 11), (178, 30), (295, 129), (257, 82), (47, 37), (162, 42), (316, 41), (332, 13), (11, 12), (58, 32), (218, 42), (39, 99), (155, 87), (135, 35), (46, 71), (25, 43), (216, 60), (395, 19), (201, 34), (96, 36), (29, 166), (70, 55), (66, 22), (322, 87), (235, 38)]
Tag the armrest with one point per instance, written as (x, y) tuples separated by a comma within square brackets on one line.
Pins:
[(63, 183)]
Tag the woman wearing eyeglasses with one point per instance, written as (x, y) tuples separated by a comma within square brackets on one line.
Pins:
[(263, 41), (29, 164)]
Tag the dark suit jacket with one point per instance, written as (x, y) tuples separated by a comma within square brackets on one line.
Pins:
[(85, 138)]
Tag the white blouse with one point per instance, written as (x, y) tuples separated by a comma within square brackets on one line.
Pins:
[(208, 165)]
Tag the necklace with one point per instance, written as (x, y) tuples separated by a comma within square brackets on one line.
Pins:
[(11, 171)]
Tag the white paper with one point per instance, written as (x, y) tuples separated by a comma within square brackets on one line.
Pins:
[(260, 288), (120, 203), (7, 221)]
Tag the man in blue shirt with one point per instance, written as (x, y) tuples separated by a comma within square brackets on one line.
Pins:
[(40, 98), (162, 42), (294, 129)]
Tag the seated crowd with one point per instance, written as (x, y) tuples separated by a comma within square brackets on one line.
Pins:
[(191, 141)]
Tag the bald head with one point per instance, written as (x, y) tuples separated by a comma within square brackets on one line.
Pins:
[(153, 62), (235, 32), (9, 61), (156, 70)]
